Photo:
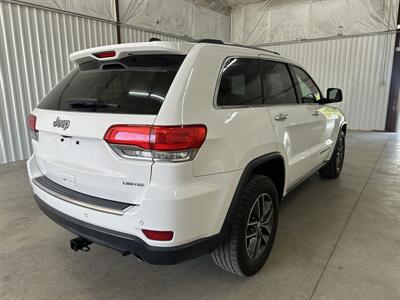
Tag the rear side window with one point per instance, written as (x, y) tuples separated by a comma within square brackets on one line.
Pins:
[(135, 84), (277, 83), (240, 83)]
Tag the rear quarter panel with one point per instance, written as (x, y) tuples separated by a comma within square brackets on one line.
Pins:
[(235, 136)]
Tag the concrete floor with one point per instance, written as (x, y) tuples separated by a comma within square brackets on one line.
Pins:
[(337, 239)]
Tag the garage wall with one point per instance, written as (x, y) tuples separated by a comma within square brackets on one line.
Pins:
[(171, 19), (34, 48), (360, 65), (103, 9), (272, 21), (36, 37), (135, 34), (342, 43), (197, 19)]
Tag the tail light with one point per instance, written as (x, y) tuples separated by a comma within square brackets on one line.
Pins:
[(173, 143), (32, 127), (158, 235)]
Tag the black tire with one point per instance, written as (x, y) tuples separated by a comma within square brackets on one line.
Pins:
[(333, 167), (235, 253)]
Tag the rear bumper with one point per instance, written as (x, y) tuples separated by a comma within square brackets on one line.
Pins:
[(127, 243), (193, 208)]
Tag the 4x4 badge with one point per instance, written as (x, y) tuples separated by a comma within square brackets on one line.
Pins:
[(64, 124)]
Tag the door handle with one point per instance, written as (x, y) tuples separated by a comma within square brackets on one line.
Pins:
[(315, 112), (281, 117)]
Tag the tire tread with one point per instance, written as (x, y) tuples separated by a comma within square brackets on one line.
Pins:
[(225, 256), (329, 170)]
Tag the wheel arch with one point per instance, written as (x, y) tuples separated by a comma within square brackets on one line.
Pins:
[(343, 127), (271, 165)]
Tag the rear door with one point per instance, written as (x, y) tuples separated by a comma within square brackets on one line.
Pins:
[(292, 121), (74, 117)]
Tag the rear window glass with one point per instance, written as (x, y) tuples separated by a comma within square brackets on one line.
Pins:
[(135, 84)]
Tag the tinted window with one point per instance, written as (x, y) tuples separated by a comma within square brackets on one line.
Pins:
[(277, 84), (307, 89), (240, 83), (132, 85)]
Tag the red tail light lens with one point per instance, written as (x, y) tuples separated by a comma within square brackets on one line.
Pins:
[(158, 235), (129, 135), (105, 54), (159, 138), (168, 143), (32, 127), (32, 122), (177, 138)]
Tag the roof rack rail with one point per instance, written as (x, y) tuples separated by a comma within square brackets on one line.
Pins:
[(210, 41), (252, 47), (219, 42)]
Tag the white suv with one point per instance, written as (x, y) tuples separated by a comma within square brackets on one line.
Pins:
[(172, 150)]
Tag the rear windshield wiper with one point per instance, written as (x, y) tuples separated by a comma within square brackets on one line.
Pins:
[(90, 102)]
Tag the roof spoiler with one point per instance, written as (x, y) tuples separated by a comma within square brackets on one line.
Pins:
[(112, 52)]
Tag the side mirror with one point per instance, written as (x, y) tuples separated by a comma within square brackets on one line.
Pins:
[(333, 95)]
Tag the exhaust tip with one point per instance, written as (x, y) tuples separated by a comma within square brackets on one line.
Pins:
[(138, 257)]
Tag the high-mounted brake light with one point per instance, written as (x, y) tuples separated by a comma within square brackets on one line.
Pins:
[(32, 127), (158, 235), (105, 54), (175, 143)]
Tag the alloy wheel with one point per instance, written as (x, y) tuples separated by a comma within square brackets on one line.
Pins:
[(259, 226), (340, 154)]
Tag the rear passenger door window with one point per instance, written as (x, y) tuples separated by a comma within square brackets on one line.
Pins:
[(277, 83), (240, 83), (307, 89)]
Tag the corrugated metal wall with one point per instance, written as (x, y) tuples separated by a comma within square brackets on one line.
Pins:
[(35, 43), (134, 34), (361, 66), (34, 48)]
